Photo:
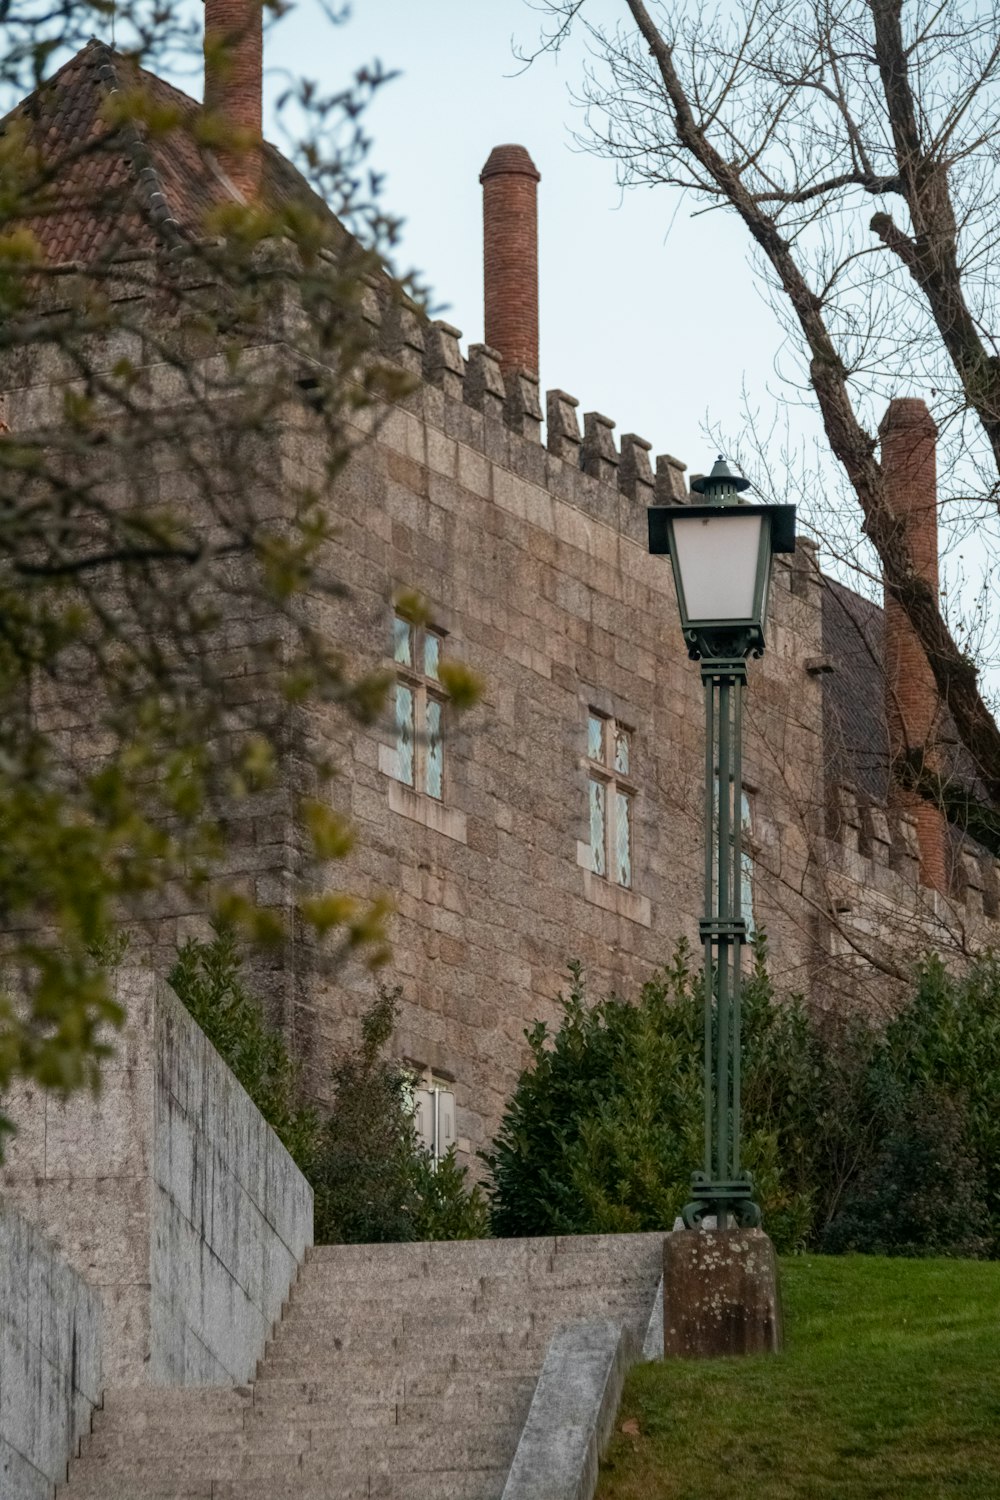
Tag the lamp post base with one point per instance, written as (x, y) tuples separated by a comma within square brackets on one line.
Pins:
[(733, 1197), (720, 1294)]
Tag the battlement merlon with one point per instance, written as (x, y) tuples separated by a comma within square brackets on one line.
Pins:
[(873, 839), (433, 350)]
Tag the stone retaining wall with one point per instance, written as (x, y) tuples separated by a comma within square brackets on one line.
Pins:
[(50, 1360), (169, 1194)]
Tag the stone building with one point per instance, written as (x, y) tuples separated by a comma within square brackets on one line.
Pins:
[(561, 818)]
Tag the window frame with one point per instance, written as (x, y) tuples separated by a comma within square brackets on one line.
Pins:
[(605, 773), (426, 694), (745, 876), (747, 871)]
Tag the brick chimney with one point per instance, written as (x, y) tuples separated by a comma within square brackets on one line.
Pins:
[(913, 705), (510, 257), (234, 62)]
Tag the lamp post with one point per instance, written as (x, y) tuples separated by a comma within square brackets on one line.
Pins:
[(721, 553)]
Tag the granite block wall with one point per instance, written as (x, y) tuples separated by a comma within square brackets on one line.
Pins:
[(50, 1360), (533, 560), (536, 569)]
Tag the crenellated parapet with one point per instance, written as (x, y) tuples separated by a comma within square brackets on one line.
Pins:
[(432, 352), (879, 848)]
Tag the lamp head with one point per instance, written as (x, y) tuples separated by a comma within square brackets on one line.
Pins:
[(720, 484), (721, 551)]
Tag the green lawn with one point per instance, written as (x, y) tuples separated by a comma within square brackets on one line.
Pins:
[(888, 1389)]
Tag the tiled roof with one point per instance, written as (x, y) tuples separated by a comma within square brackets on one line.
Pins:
[(855, 735), (856, 741), (109, 190)]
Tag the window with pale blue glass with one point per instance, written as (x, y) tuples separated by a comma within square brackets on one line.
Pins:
[(746, 872), (746, 864), (612, 798), (419, 708), (402, 641), (434, 762), (598, 826), (404, 733)]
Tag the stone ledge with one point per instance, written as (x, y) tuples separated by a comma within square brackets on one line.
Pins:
[(617, 899), (447, 821), (572, 1413)]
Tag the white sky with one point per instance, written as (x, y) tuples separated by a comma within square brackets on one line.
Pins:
[(655, 323)]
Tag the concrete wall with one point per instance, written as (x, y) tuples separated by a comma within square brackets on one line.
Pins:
[(169, 1194), (231, 1214), (50, 1360)]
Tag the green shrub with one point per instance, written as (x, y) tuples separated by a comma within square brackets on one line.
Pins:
[(947, 1043), (207, 979), (371, 1177), (887, 1142), (602, 1127), (920, 1194), (605, 1124), (447, 1208)]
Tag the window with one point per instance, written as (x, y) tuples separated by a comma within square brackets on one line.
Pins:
[(416, 651), (434, 1116), (746, 856), (746, 864), (612, 798)]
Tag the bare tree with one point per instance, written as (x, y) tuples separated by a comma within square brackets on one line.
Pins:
[(856, 142)]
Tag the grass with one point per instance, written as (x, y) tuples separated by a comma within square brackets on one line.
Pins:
[(888, 1389)]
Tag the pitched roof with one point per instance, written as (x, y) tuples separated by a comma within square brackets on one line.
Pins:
[(855, 731), (855, 734), (107, 190)]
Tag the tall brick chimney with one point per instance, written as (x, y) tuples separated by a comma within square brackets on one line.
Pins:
[(234, 66), (510, 256), (913, 706)]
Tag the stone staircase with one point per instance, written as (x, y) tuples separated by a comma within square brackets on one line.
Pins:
[(398, 1372)]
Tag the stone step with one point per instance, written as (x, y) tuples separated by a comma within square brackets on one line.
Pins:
[(323, 1290), (318, 1428), (84, 1487), (411, 1356), (398, 1372), (492, 1297), (423, 1452), (382, 1312), (293, 1394), (217, 1401), (428, 1259), (411, 1344), (350, 1411), (342, 1334), (358, 1299), (339, 1403), (133, 1426), (481, 1485), (502, 1350), (357, 1444), (458, 1484), (330, 1487)]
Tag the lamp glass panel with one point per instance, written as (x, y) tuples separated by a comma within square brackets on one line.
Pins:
[(716, 557)]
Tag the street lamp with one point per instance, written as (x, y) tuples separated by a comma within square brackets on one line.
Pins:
[(721, 553)]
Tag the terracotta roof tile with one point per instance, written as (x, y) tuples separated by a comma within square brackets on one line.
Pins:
[(855, 733), (107, 191), (854, 722)]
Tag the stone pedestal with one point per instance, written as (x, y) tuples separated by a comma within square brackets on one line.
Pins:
[(720, 1293)]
